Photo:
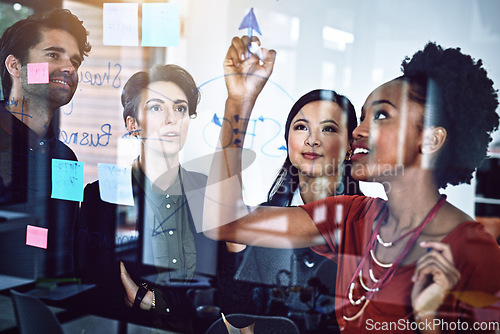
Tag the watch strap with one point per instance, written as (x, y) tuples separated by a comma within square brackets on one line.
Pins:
[(141, 292)]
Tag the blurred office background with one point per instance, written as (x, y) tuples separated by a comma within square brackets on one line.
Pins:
[(348, 46)]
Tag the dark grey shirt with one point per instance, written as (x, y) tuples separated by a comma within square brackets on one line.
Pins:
[(168, 239)]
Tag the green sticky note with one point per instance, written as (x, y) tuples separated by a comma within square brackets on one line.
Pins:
[(160, 24)]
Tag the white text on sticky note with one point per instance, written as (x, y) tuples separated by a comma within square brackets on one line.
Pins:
[(115, 184), (160, 24), (67, 180), (120, 24), (38, 73), (36, 236)]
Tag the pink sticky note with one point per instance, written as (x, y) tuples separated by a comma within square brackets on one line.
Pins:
[(36, 236), (38, 73)]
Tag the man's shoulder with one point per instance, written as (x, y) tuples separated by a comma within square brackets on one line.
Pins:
[(92, 201), (9, 123), (93, 186), (63, 151), (91, 192)]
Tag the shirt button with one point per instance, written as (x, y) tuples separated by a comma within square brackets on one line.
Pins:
[(167, 196), (170, 232), (167, 310), (168, 206), (42, 143), (174, 260)]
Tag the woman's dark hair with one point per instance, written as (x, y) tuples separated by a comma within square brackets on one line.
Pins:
[(131, 94), (458, 96), (287, 181), (26, 33)]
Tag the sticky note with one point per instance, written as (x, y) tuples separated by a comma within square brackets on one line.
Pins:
[(38, 73), (120, 24), (67, 180), (160, 24), (115, 184), (36, 236), (320, 213)]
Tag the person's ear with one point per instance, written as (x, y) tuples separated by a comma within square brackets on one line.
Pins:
[(434, 139), (13, 66), (132, 126)]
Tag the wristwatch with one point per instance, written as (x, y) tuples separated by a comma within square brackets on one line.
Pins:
[(141, 292)]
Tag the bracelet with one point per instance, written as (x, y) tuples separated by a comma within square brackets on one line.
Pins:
[(141, 292), (153, 303)]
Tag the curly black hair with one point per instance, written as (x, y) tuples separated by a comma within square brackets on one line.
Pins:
[(459, 96)]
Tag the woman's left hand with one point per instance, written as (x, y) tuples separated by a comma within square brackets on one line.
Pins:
[(434, 276)]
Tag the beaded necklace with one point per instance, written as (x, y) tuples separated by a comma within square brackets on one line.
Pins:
[(391, 268), (392, 243)]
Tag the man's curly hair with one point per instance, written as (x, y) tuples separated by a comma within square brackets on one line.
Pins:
[(459, 96)]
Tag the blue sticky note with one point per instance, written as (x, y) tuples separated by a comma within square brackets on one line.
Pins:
[(120, 24), (160, 24), (115, 184), (67, 180)]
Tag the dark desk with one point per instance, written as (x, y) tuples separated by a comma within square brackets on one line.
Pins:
[(8, 282)]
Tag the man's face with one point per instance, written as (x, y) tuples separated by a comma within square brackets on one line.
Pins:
[(60, 50)]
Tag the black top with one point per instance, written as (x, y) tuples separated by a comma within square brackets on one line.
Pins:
[(99, 254), (26, 186)]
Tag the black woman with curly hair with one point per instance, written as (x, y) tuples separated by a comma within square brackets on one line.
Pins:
[(411, 263)]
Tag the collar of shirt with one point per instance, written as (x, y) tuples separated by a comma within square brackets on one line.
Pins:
[(297, 199), (155, 194), (10, 124)]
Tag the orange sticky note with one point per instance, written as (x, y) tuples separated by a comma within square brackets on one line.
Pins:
[(36, 236), (38, 73)]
